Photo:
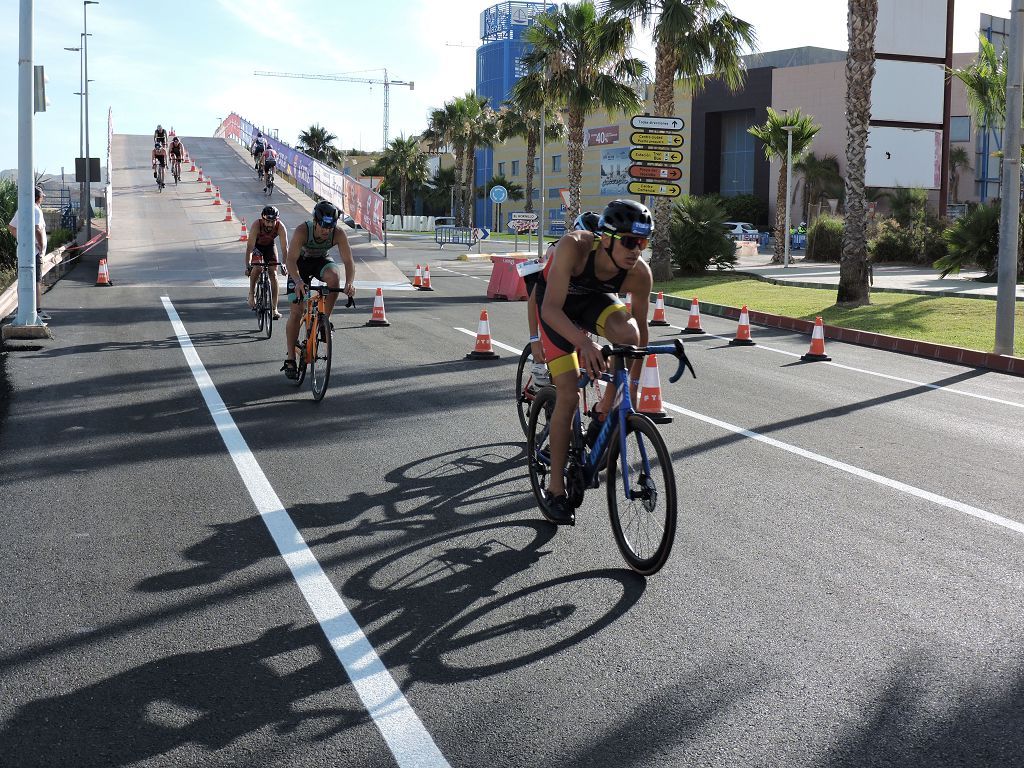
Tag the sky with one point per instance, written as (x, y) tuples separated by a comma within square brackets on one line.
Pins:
[(188, 63)]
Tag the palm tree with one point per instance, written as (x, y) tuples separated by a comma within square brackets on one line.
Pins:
[(521, 117), (774, 136), (862, 19), (582, 63), (821, 179), (958, 159), (439, 191), (985, 81), (693, 39), (445, 130), (318, 143), (479, 130), (402, 164)]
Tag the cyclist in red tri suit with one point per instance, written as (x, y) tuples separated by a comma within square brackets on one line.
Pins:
[(260, 247)]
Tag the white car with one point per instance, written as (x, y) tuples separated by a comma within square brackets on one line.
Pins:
[(741, 230)]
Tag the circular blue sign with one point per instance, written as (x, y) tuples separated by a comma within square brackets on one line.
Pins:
[(499, 194)]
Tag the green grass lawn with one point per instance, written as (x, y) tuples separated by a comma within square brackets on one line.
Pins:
[(969, 323)]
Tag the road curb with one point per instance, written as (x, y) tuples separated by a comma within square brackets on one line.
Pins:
[(958, 355), (474, 256)]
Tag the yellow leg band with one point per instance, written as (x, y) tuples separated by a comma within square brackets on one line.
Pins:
[(604, 316), (564, 364)]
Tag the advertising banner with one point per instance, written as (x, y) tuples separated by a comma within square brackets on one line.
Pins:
[(615, 171), (599, 136)]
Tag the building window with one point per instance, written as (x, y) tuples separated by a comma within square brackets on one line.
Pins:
[(536, 165), (501, 169), (515, 167), (737, 175), (960, 128), (556, 163), (536, 194)]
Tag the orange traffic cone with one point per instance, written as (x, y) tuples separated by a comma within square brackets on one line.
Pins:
[(377, 317), (417, 281), (659, 311), (193, 168), (426, 278), (649, 395), (228, 217), (693, 325), (209, 187), (743, 331), (200, 179), (216, 197), (483, 350), (817, 351), (103, 276), (629, 302), (245, 232)]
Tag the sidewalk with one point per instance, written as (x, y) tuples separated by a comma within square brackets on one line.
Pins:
[(887, 277)]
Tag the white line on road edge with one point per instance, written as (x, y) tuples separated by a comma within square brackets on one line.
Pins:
[(460, 274), (401, 728), (911, 490), (834, 364), (494, 343)]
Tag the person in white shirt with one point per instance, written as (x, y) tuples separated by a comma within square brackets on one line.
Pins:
[(40, 227)]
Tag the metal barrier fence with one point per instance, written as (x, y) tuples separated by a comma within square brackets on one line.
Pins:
[(448, 233)]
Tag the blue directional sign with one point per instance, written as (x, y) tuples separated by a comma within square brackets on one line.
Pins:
[(499, 194)]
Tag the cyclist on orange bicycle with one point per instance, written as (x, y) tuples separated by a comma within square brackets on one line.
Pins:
[(578, 292), (307, 258), (260, 247)]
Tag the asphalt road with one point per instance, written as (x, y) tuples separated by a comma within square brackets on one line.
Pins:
[(205, 567)]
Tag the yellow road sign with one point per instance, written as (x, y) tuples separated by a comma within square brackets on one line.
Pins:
[(657, 139), (652, 188), (655, 155)]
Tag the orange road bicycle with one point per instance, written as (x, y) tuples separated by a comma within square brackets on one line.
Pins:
[(313, 346)]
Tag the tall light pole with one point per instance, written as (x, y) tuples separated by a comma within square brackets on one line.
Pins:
[(81, 135), (789, 183), (85, 69), (543, 185)]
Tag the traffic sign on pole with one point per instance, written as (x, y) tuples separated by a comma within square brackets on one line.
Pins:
[(655, 155), (670, 173), (499, 194), (523, 216), (652, 122), (657, 190), (657, 139)]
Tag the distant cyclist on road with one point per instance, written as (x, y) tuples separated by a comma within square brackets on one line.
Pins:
[(160, 134), (159, 157), (307, 258), (258, 145), (269, 162), (260, 248), (585, 222), (578, 292), (176, 150)]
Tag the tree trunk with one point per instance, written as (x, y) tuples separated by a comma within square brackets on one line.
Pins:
[(778, 255), (531, 154), (460, 160), (469, 186), (574, 149), (860, 71), (403, 192), (666, 61)]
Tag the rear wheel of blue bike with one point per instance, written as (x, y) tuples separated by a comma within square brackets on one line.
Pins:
[(644, 512), (538, 452)]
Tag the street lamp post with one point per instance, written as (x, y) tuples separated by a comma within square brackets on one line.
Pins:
[(81, 133), (789, 183), (85, 76), (543, 187)]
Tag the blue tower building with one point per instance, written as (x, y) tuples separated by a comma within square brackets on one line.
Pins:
[(498, 68)]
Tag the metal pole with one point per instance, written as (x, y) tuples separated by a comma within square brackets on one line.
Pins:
[(789, 181), (87, 211), (26, 195), (543, 186), (1009, 213)]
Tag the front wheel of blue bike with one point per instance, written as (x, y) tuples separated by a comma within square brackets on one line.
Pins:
[(642, 503), (538, 450)]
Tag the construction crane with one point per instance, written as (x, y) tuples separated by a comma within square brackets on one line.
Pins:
[(386, 82)]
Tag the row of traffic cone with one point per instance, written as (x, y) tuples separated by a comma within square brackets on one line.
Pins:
[(421, 280)]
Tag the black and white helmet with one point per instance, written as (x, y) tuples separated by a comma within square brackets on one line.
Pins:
[(270, 212), (627, 217), (325, 214)]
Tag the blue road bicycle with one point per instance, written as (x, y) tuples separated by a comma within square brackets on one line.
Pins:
[(641, 484)]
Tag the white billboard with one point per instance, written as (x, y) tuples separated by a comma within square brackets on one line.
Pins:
[(908, 91), (911, 28), (904, 157)]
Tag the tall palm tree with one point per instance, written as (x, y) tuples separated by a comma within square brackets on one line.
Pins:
[(773, 136), (318, 143), (985, 81), (439, 192), (821, 179), (958, 160), (445, 130), (403, 164), (862, 20), (520, 117), (585, 66), (693, 39), (479, 130)]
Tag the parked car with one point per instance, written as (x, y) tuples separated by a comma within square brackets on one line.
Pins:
[(444, 221), (740, 230)]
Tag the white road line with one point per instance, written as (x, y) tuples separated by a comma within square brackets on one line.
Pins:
[(911, 490), (401, 728), (494, 343), (940, 387), (462, 274)]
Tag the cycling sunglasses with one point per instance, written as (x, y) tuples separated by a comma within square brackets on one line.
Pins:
[(629, 242)]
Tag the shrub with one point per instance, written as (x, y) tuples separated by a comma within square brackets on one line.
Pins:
[(696, 235), (59, 237), (973, 239), (908, 204), (919, 242), (825, 239), (745, 208), (8, 205)]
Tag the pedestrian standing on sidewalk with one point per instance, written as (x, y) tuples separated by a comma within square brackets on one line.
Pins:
[(40, 227)]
